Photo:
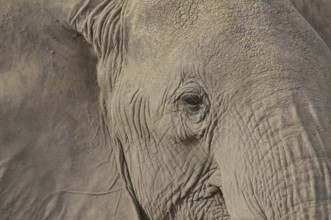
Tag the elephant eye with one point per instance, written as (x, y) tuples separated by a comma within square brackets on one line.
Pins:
[(193, 100)]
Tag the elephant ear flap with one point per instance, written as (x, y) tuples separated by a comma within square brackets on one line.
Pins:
[(107, 192), (94, 183), (111, 201), (56, 162)]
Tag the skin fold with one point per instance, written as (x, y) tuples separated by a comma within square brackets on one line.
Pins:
[(165, 109)]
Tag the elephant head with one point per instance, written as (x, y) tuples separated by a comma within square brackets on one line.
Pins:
[(215, 109)]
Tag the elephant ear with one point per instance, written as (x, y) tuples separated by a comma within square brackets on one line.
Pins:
[(56, 161)]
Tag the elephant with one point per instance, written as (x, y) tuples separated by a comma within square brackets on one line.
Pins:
[(188, 109)]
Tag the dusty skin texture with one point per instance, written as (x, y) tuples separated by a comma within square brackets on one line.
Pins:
[(215, 109)]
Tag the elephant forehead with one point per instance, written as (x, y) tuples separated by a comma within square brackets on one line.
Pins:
[(229, 38), (179, 30), (157, 28), (168, 19)]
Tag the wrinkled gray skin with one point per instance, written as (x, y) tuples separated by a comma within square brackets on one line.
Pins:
[(215, 109)]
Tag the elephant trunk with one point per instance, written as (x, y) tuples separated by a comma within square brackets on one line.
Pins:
[(277, 161), (295, 163), (299, 191)]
